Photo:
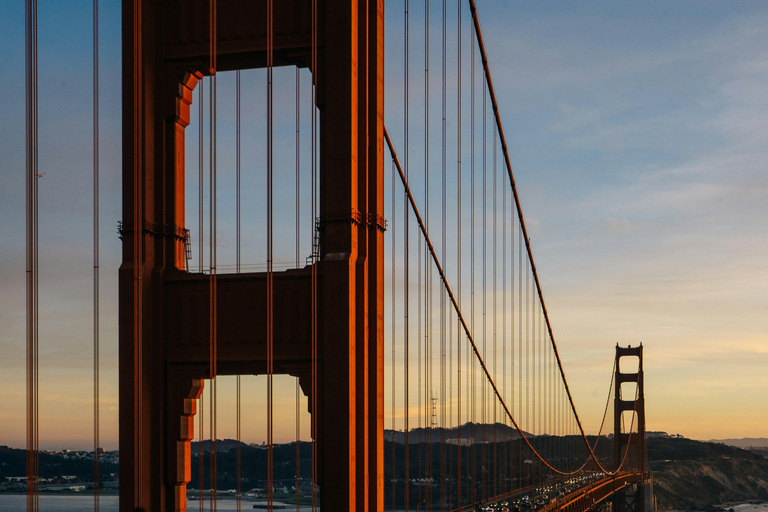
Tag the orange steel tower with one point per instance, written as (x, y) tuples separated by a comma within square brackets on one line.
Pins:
[(164, 311), (631, 444)]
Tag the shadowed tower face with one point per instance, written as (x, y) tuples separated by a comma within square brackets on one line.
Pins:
[(179, 328)]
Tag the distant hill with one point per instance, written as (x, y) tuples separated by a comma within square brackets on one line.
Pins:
[(55, 467), (744, 442), (469, 433), (696, 475), (687, 474), (222, 445)]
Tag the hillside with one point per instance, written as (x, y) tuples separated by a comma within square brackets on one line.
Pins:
[(694, 475), (744, 442)]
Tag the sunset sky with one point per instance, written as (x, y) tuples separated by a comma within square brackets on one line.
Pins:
[(639, 139)]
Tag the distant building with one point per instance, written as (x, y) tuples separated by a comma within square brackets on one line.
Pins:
[(461, 442)]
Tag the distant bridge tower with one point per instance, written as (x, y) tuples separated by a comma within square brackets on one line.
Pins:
[(631, 443)]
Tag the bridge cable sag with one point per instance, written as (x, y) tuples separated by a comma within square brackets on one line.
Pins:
[(534, 486), (466, 328), (505, 152)]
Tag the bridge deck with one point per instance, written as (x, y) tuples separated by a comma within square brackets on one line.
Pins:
[(580, 499)]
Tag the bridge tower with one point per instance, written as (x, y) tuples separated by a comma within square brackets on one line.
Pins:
[(164, 320), (631, 443)]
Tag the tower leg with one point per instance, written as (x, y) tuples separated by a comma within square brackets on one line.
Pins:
[(351, 202)]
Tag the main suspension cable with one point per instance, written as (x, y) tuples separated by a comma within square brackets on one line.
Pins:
[(461, 319), (505, 152)]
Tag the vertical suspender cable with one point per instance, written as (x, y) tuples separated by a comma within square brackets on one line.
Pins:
[(201, 451), (495, 354), (473, 391), (96, 455), (443, 317), (551, 399), (505, 452), (270, 276), (298, 231), (539, 381), (529, 354), (427, 268), (527, 348), (32, 176), (238, 452), (538, 378), (545, 403), (237, 171), (406, 265), (421, 412), (36, 362), (315, 253), (201, 232), (532, 340), (503, 472), (490, 459), (511, 318), (212, 256), (520, 346), (542, 382), (298, 447), (237, 256), (201, 174), (514, 321), (458, 226), (548, 394), (298, 167), (394, 337), (138, 250)]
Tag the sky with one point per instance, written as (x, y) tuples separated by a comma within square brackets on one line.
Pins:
[(638, 134), (638, 138)]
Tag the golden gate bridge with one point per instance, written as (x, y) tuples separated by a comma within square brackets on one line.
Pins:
[(395, 279)]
